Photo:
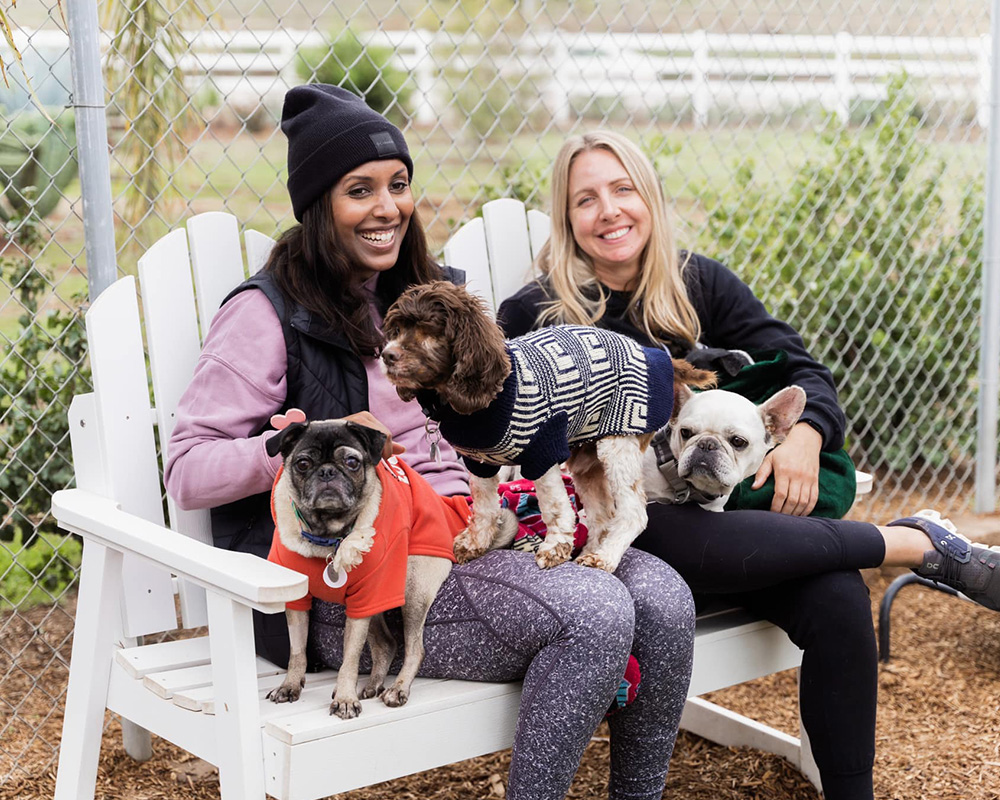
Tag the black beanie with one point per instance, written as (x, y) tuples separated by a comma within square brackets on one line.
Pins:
[(330, 132)]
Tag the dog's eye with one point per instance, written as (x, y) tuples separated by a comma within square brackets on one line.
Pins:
[(353, 463), (738, 442), (303, 464), (686, 433)]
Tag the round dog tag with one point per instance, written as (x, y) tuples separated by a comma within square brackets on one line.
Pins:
[(334, 579)]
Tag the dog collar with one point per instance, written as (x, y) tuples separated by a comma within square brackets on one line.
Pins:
[(320, 541), (683, 491)]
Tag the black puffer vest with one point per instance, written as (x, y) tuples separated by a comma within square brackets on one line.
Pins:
[(325, 379)]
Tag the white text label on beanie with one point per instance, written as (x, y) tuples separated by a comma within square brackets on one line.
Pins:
[(384, 144)]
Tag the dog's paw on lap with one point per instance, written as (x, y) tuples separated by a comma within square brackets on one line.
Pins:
[(467, 548), (595, 561), (552, 553)]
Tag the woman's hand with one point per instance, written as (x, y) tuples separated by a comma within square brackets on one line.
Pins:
[(365, 418), (795, 464)]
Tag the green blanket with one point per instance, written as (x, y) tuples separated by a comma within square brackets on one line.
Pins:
[(837, 481)]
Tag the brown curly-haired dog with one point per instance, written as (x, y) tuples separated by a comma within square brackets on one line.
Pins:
[(444, 349)]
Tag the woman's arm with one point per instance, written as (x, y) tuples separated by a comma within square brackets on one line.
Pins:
[(215, 454)]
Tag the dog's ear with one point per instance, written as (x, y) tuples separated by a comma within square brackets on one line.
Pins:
[(373, 440), (406, 395), (284, 440), (681, 395), (480, 353), (689, 375), (781, 411)]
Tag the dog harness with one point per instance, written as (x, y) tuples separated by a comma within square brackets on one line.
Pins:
[(412, 520), (568, 384)]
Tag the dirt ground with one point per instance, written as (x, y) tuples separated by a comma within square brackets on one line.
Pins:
[(938, 734)]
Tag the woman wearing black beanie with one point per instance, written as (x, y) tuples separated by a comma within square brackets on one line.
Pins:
[(304, 333)]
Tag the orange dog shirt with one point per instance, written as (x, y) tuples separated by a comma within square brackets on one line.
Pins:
[(412, 520)]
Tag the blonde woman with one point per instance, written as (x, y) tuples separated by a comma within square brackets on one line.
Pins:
[(612, 261)]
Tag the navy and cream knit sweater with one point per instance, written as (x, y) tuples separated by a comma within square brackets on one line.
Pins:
[(568, 384)]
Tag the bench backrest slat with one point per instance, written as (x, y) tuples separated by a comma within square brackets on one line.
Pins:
[(174, 344), (214, 239), (129, 452), (466, 250), (497, 250)]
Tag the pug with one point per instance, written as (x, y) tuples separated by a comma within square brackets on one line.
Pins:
[(325, 502), (714, 440)]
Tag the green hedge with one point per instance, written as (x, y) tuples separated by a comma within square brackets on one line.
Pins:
[(366, 71), (864, 239), (40, 573)]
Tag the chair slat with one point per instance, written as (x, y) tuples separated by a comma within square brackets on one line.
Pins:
[(133, 477), (164, 684), (539, 228), (466, 250), (214, 239), (507, 242), (174, 345), (259, 246), (141, 661)]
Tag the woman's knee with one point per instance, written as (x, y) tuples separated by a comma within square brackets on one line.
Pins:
[(832, 607), (659, 594), (522, 602)]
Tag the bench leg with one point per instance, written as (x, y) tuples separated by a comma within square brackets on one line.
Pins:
[(237, 710), (725, 727), (137, 740), (90, 672)]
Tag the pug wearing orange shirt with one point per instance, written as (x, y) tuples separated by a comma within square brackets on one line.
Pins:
[(371, 535)]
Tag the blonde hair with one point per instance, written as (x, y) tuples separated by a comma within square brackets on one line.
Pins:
[(660, 303)]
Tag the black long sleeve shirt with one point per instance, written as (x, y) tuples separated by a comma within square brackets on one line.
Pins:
[(731, 317)]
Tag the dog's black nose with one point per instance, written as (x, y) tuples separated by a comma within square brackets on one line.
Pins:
[(390, 357), (708, 445), (326, 474)]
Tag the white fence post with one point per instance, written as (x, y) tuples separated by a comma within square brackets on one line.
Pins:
[(842, 76), (701, 97), (983, 99)]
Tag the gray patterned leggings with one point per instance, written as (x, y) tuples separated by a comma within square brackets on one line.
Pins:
[(567, 633)]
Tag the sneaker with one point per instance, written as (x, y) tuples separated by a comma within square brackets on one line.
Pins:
[(971, 569)]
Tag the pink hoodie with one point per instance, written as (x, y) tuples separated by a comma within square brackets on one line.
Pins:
[(238, 383)]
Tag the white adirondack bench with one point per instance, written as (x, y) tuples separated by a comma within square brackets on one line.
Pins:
[(206, 693)]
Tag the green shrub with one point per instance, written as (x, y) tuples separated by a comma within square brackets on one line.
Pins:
[(527, 182), (40, 373), (40, 573), (36, 164), (365, 70), (862, 238)]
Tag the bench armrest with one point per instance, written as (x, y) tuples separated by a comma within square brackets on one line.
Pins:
[(243, 577)]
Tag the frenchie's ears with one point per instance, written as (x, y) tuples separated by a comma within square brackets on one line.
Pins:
[(373, 440), (284, 440), (681, 395), (781, 411)]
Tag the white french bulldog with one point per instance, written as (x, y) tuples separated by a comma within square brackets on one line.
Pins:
[(715, 439)]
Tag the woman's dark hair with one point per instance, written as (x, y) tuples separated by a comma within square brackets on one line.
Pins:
[(309, 267)]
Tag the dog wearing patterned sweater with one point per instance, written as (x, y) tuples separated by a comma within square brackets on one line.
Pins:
[(573, 394)]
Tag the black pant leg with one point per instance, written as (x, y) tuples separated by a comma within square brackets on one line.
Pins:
[(829, 617), (270, 637), (738, 551)]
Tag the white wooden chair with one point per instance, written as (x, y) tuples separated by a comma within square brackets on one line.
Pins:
[(207, 693)]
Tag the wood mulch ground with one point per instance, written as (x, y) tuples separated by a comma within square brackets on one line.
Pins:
[(938, 728)]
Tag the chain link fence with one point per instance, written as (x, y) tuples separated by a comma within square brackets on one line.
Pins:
[(833, 155)]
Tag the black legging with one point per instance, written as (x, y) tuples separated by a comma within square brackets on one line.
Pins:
[(801, 573)]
